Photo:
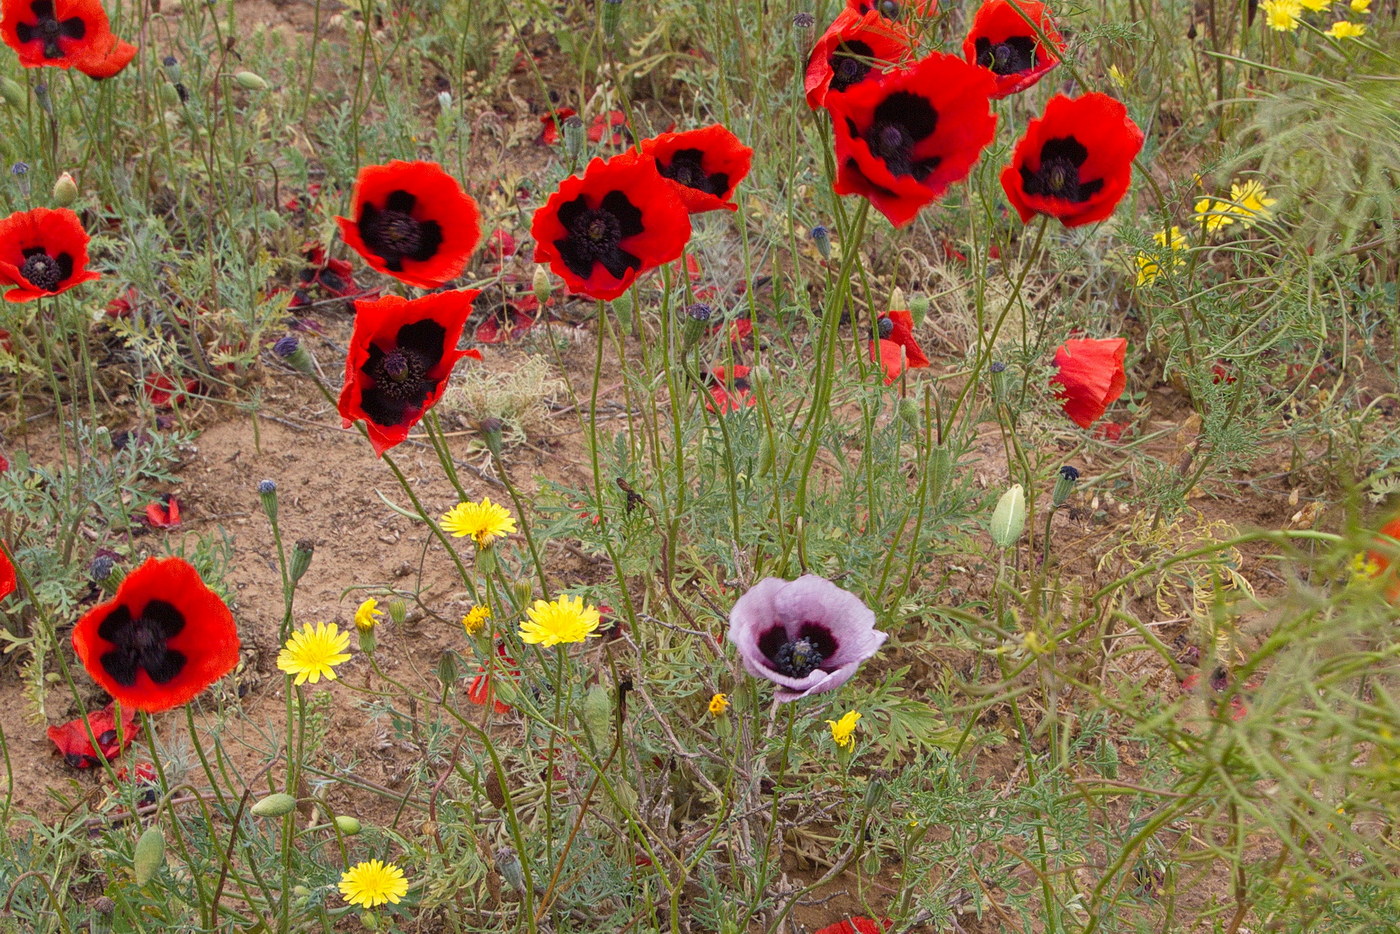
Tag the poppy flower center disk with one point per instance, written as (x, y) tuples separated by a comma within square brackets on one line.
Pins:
[(901, 121), (1058, 176), (43, 271), (850, 64), (141, 643), (49, 29), (797, 657), (595, 234), (395, 234), (685, 169), (1009, 57)]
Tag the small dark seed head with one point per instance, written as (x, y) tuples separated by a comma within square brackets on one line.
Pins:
[(286, 346), (266, 487), (998, 367), (169, 61), (804, 20), (699, 312), (20, 168), (101, 568), (1069, 473), (885, 327)]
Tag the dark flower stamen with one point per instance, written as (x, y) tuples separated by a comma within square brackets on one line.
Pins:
[(395, 234), (885, 327), (686, 169), (596, 234), (400, 375), (49, 29), (900, 122), (850, 63), (1058, 176), (797, 659), (1011, 56), (141, 643), (44, 271)]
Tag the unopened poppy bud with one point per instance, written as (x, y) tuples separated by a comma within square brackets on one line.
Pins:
[(250, 81), (172, 67), (491, 429), (595, 713), (804, 20), (169, 94), (267, 492), (347, 825), (699, 312), (274, 805), (918, 309), (1009, 519), (573, 137), (766, 454), (289, 348), (909, 411), (998, 372), (65, 190), (508, 865), (612, 14), (757, 376), (11, 92), (822, 238), (301, 558), (1064, 485), (41, 94), (541, 284), (398, 611), (149, 855)]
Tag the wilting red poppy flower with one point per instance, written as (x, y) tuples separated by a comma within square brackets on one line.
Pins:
[(162, 391), (412, 221), (857, 926), (730, 391), (72, 737), (704, 166), (64, 33), (161, 640), (854, 48), (1002, 41), (903, 140), (614, 121), (1075, 162), (164, 513), (553, 123), (500, 244), (8, 580), (117, 56), (42, 252), (401, 353), (121, 306), (511, 320), (897, 348), (480, 691), (1111, 431), (600, 231), (335, 276), (1091, 377)]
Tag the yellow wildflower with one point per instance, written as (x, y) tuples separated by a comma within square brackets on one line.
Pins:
[(1342, 29), (476, 619), (1317, 6), (843, 730), (566, 619), (312, 652), (1282, 15), (367, 616), (1364, 567), (1148, 267), (373, 883), (718, 705), (484, 521), (1360, 6), (1248, 203)]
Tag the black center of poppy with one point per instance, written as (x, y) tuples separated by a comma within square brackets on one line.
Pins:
[(595, 235), (850, 63), (399, 378), (44, 271), (885, 327), (394, 234), (141, 643), (1058, 176), (901, 122), (1011, 56), (48, 29), (798, 657), (686, 169)]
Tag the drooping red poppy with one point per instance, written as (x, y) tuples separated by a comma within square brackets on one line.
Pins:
[(8, 579), (480, 691), (72, 737), (856, 47), (401, 354), (1075, 162), (161, 640), (412, 221), (117, 56), (62, 33), (600, 231), (896, 348), (164, 513), (903, 140), (1007, 43), (42, 252), (164, 393), (704, 166), (553, 124), (613, 122), (1090, 377), (857, 926), (730, 390)]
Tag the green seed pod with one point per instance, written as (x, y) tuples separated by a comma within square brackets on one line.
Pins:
[(168, 95), (595, 713), (909, 412), (274, 805), (766, 455), (65, 190), (301, 558), (149, 855), (541, 284), (250, 81), (918, 309), (622, 305), (11, 92), (612, 15), (347, 825), (1009, 519)]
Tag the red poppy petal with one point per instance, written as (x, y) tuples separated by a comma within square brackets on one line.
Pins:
[(999, 20), (706, 183), (1091, 377), (857, 926), (201, 640), (72, 737), (855, 48), (903, 334), (92, 42), (117, 57), (9, 581)]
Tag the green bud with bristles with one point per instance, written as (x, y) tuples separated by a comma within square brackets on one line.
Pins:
[(149, 855), (250, 81), (279, 804), (1009, 519), (12, 92)]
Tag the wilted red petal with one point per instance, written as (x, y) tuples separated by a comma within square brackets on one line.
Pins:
[(72, 737)]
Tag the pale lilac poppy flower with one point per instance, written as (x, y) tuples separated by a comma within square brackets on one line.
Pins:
[(806, 636)]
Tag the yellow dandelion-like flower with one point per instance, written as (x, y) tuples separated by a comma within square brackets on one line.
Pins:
[(367, 616), (566, 619), (718, 705), (843, 730), (373, 883), (1360, 6), (1317, 6), (1252, 201), (1148, 267), (1282, 15), (314, 651), (484, 521), (1342, 29), (1365, 568), (1117, 76), (476, 618), (1213, 214)]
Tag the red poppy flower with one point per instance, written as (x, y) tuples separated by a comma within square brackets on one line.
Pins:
[(704, 166), (1091, 377), (1075, 162), (500, 244), (903, 140), (117, 56), (164, 513), (1003, 40), (480, 691), (894, 9), (856, 47), (335, 276), (121, 306), (163, 393), (412, 221), (64, 33), (511, 320), (401, 353), (42, 252), (600, 231), (857, 926), (72, 737), (730, 391), (896, 347), (8, 580), (161, 640), (1378, 563), (614, 121), (553, 123)]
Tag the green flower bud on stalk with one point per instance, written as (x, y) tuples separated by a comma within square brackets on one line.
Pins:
[(918, 309), (301, 558), (347, 825), (612, 15), (1064, 485), (1009, 519), (149, 855), (65, 190), (822, 238), (998, 373), (524, 594), (573, 138), (279, 804), (267, 492), (622, 305), (541, 284), (250, 81), (398, 611), (909, 412), (595, 713), (11, 92)]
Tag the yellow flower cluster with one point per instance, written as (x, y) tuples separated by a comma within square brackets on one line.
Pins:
[(1148, 268), (476, 618), (718, 705), (1247, 204), (1287, 16)]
